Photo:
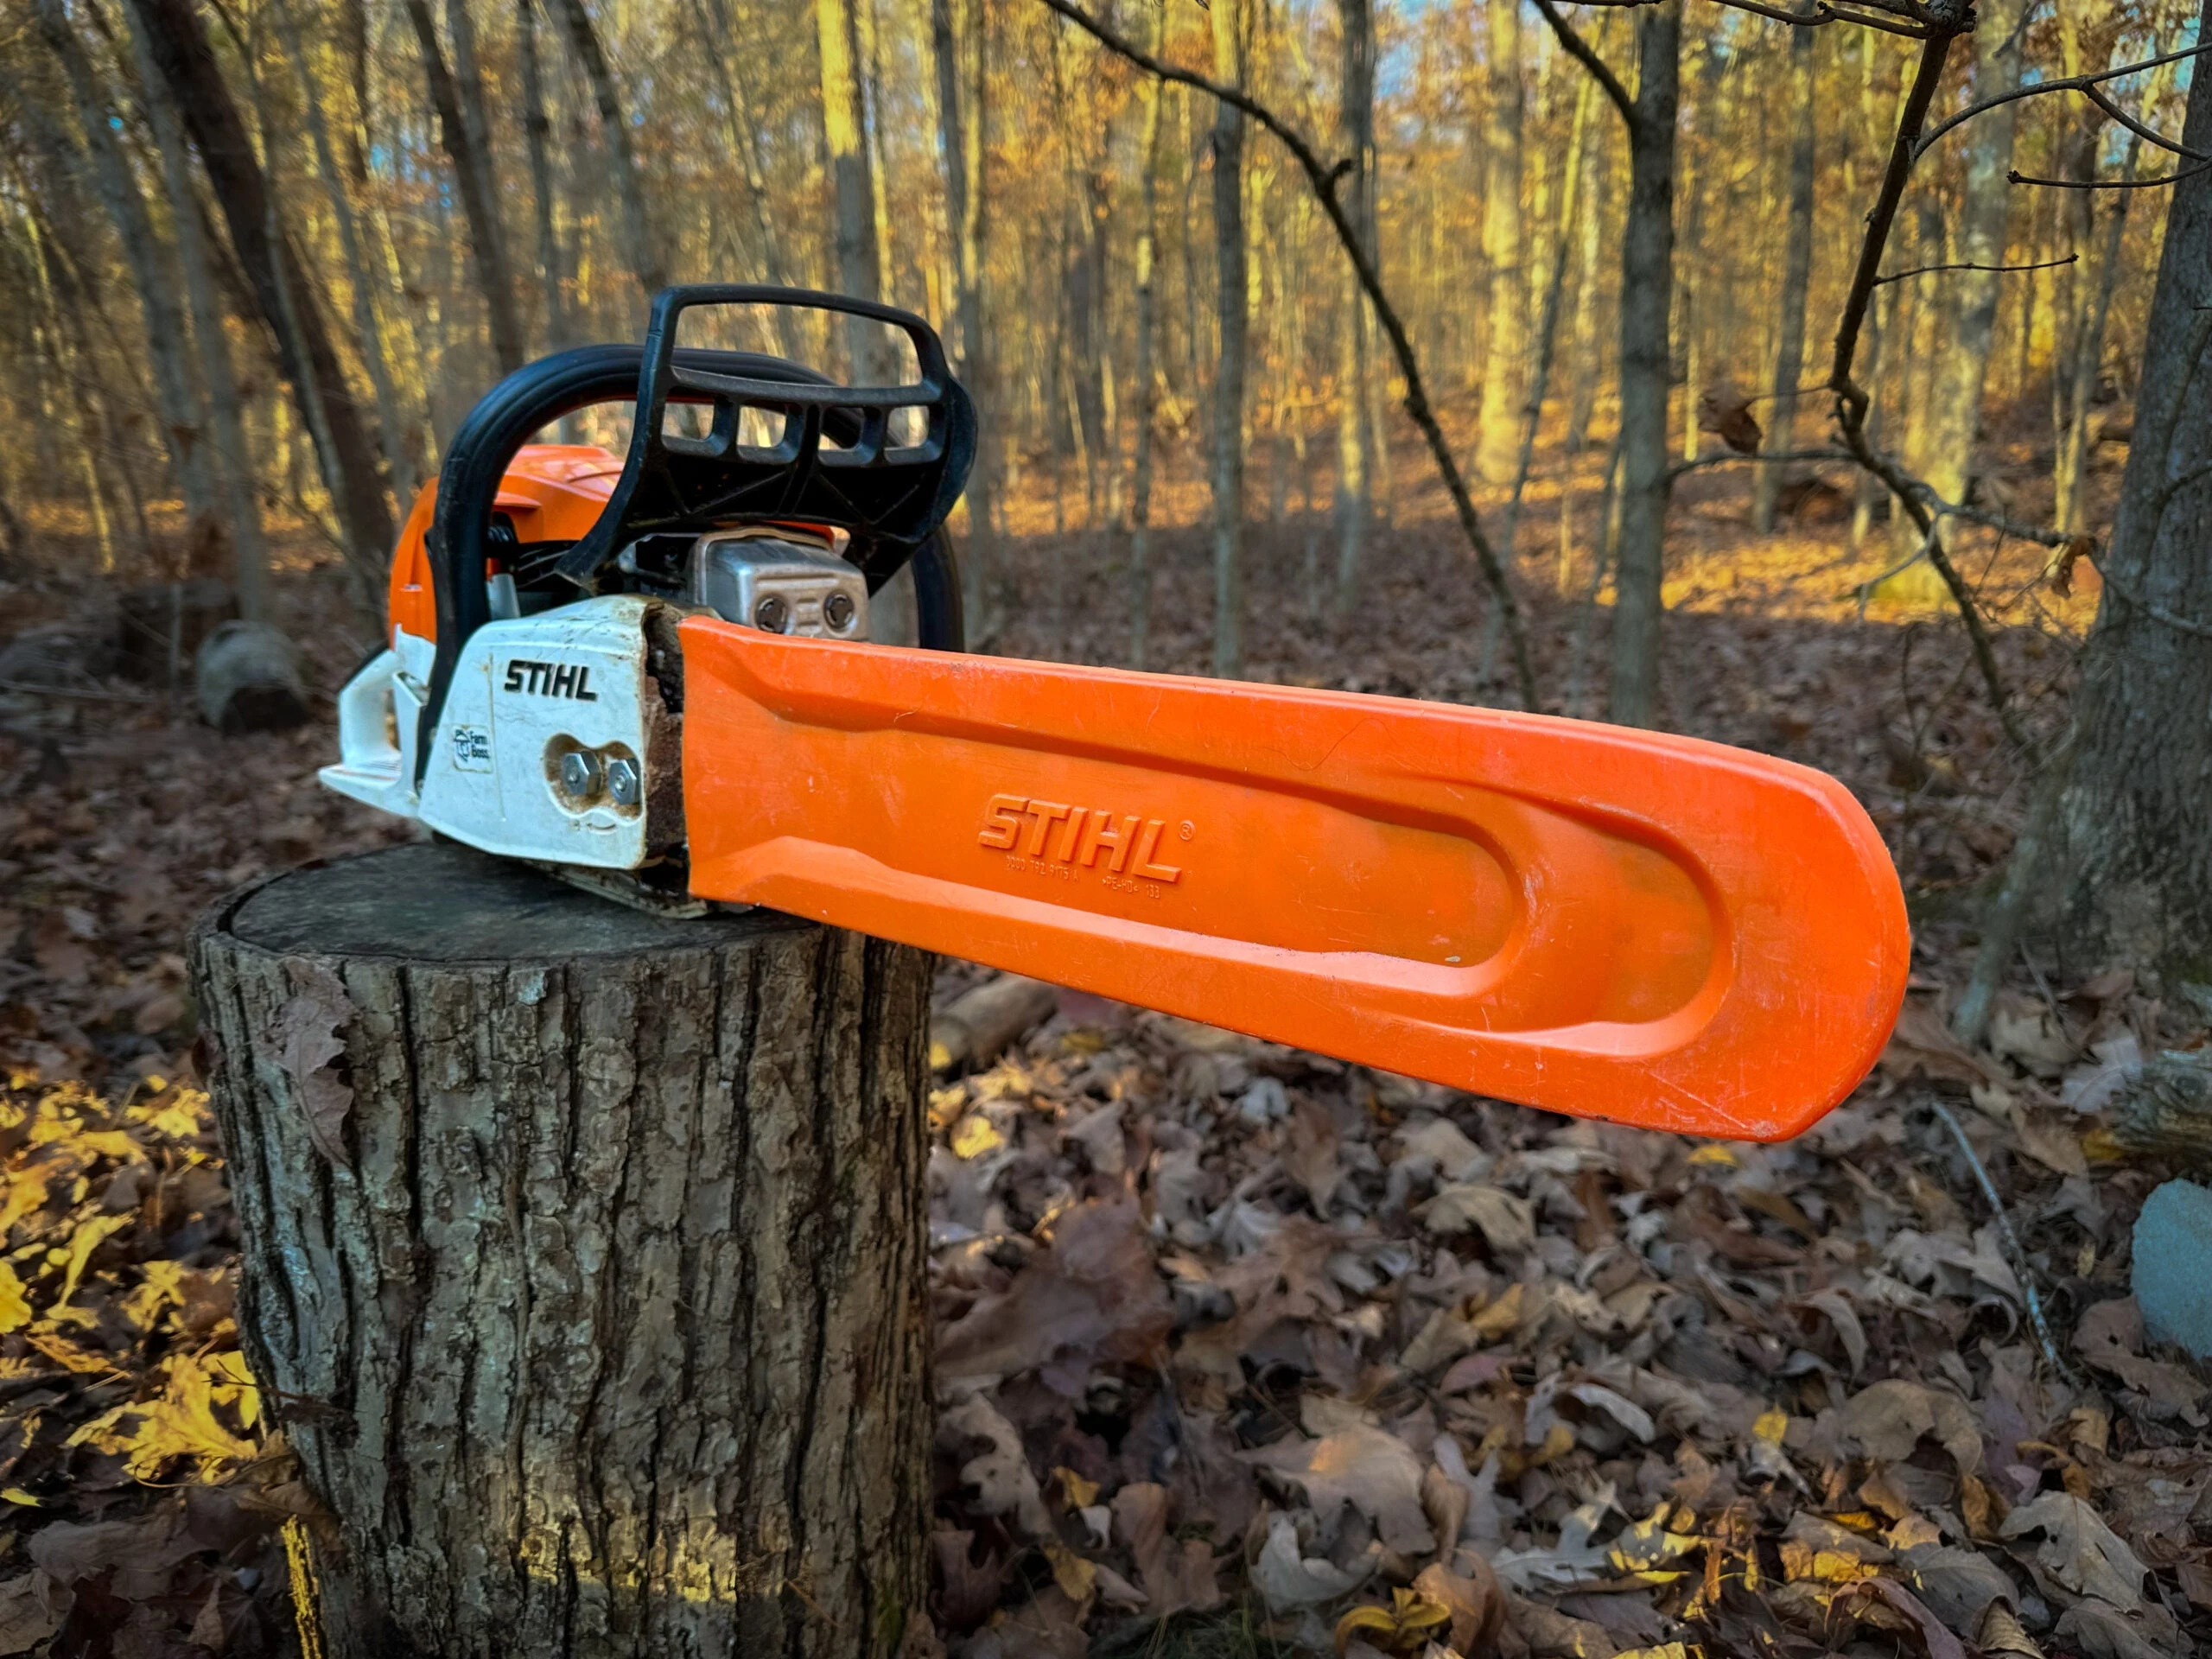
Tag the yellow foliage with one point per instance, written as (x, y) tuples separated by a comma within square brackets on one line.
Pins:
[(1406, 1626), (15, 1307)]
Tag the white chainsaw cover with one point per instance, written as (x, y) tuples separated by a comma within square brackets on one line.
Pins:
[(526, 693)]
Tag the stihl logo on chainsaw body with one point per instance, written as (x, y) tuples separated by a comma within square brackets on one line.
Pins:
[(1054, 839), (551, 679)]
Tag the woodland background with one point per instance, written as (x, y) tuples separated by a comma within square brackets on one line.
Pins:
[(1511, 1382)]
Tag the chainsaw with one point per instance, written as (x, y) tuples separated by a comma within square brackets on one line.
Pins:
[(655, 676)]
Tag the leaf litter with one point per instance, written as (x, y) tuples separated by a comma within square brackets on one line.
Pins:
[(1241, 1349)]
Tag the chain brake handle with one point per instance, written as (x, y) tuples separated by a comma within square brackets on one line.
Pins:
[(889, 497)]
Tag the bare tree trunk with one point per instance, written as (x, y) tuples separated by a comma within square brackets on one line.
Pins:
[(1149, 97), (476, 122), (389, 422), (176, 396), (593, 1297), (180, 49), (2139, 841), (1228, 18), (1647, 286), (537, 134), (640, 245), (729, 65), (1589, 344), (844, 118), (234, 461), (1504, 360), (1970, 323), (1356, 433), (961, 84), (1796, 277), (1532, 410), (478, 190)]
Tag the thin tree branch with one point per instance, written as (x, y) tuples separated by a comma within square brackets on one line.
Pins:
[(1323, 180), (1969, 265), (1852, 400), (1722, 457), (2018, 177), (1911, 32), (2150, 136), (2084, 85), (1584, 54)]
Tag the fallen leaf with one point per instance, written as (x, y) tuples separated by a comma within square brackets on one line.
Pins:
[(1288, 1578), (1505, 1220), (1005, 1483), (1366, 1468), (2079, 1549)]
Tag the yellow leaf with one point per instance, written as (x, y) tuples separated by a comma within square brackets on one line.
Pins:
[(1080, 1493), (1500, 1316), (26, 1194), (1077, 1578), (1713, 1155), (1377, 1619), (1771, 1426), (182, 1423), (90, 1235), (975, 1134), (1670, 1650), (17, 1495), (15, 1307)]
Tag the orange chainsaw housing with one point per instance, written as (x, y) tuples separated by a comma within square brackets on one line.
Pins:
[(552, 493), (1653, 928)]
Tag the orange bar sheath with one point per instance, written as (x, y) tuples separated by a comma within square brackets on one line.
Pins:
[(1611, 922)]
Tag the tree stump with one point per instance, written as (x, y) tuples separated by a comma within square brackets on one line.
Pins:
[(584, 1258)]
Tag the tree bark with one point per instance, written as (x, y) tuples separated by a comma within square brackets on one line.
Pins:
[(1497, 443), (1647, 286), (1230, 297), (1796, 277), (639, 243), (844, 118), (2139, 843), (389, 422), (1962, 363), (957, 42), (585, 1275), (1356, 433), (538, 136), (473, 183), (176, 394), (1150, 94), (233, 461), (179, 47)]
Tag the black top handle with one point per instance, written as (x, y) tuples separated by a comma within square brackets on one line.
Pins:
[(891, 498), (888, 492)]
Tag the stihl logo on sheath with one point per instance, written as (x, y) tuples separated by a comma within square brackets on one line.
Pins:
[(551, 679), (1079, 836)]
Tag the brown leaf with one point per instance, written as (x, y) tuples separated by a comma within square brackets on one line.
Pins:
[(1889, 1418), (1900, 1609), (1178, 1574), (26, 1618), (1093, 1295), (309, 1033), (1366, 1468), (1475, 1600), (2079, 1549), (1725, 411), (1310, 1154)]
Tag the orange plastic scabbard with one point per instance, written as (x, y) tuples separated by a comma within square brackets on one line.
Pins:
[(1611, 922)]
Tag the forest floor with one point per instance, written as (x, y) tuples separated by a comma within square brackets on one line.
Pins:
[(1336, 1361)]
